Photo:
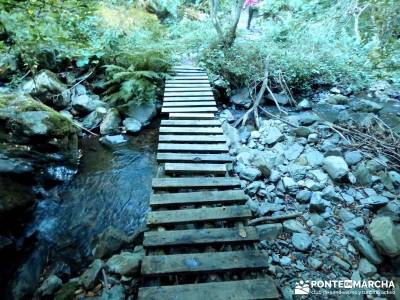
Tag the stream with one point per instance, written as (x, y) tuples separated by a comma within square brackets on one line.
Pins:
[(112, 188)]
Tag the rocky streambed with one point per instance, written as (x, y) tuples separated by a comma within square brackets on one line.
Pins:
[(337, 209)]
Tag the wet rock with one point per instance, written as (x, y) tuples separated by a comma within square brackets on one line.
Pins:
[(374, 201), (48, 88), (303, 196), (109, 242), (282, 99), (386, 235), (362, 174), (369, 106), (353, 157), (144, 112), (336, 167), (317, 203), (241, 98), (112, 140), (84, 104), (117, 292), (366, 268), (341, 263), (293, 151), (110, 123), (314, 157), (248, 173), (304, 104), (290, 185), (307, 118), (94, 119), (301, 241), (269, 232), (338, 99), (50, 286), (363, 244), (89, 278), (227, 115), (292, 226), (125, 263), (132, 125), (272, 135)]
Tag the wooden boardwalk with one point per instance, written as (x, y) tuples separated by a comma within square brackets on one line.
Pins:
[(198, 245)]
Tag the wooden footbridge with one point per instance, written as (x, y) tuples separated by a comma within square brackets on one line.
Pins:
[(198, 245)]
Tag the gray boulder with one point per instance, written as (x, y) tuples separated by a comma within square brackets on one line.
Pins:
[(290, 185), (93, 120), (50, 286), (386, 235), (301, 241), (117, 292), (366, 268), (227, 115), (293, 151), (144, 112), (282, 99), (314, 157), (336, 167), (241, 98), (307, 118), (112, 140), (317, 203), (132, 125), (125, 263), (293, 226), (303, 196), (84, 104), (271, 136), (110, 123), (248, 173), (374, 201), (89, 278), (363, 244), (304, 104), (368, 106), (109, 242), (362, 175), (338, 99), (353, 157)]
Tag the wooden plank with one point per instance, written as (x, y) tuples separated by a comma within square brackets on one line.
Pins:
[(194, 157), (195, 215), (199, 236), (193, 138), (195, 168), (191, 123), (212, 148), (185, 81), (192, 77), (203, 197), (187, 116), (203, 262), (195, 182), (189, 109), (187, 89), (186, 99), (192, 130), (188, 94), (189, 74), (185, 85), (186, 67), (249, 289), (189, 103)]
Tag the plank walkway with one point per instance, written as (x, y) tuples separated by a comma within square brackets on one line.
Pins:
[(198, 244)]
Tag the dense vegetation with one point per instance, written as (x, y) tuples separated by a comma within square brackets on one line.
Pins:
[(304, 43)]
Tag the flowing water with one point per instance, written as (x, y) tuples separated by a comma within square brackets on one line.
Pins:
[(112, 188)]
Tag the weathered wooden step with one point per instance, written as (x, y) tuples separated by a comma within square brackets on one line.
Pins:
[(195, 215), (190, 122), (188, 74), (186, 67), (193, 138), (212, 148), (189, 103), (187, 89), (195, 182), (203, 197), (188, 94), (191, 77), (199, 236), (187, 85), (192, 130), (188, 99), (204, 81), (195, 168), (189, 109), (191, 116), (194, 157), (203, 262), (249, 289)]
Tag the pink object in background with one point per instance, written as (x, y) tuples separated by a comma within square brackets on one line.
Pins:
[(251, 2)]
